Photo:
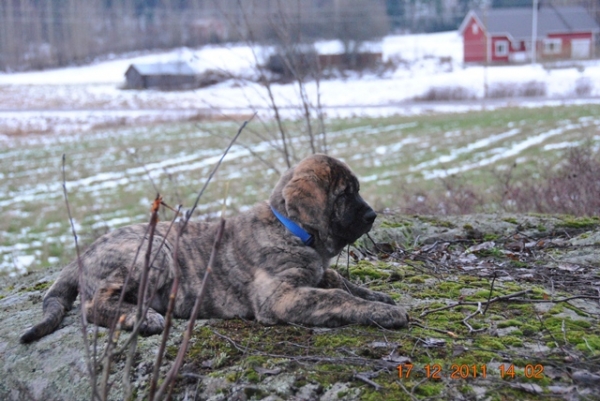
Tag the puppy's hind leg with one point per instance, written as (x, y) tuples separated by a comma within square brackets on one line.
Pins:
[(104, 310)]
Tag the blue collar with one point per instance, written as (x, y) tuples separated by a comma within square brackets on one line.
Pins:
[(294, 228)]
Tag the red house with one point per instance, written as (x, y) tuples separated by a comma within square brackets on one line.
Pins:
[(504, 35)]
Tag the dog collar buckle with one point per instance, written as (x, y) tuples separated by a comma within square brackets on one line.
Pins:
[(294, 228)]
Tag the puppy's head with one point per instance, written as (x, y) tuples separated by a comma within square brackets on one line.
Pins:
[(321, 194)]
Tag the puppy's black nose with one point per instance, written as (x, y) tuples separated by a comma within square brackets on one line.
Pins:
[(369, 217)]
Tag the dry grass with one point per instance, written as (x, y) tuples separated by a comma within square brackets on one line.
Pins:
[(573, 187)]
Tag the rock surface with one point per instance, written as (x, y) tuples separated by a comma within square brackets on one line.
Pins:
[(555, 257)]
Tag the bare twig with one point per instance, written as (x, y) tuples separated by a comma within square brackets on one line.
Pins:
[(497, 299), (411, 395), (168, 320), (169, 379), (212, 173), (466, 323), (362, 377), (447, 332), (89, 362), (487, 305), (142, 298)]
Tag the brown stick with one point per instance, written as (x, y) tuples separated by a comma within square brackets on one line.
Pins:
[(168, 321), (142, 299), (170, 377), (90, 364), (212, 173), (500, 298)]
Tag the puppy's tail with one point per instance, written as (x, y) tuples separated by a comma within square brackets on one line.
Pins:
[(57, 301)]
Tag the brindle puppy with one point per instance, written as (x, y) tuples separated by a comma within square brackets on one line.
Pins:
[(262, 269)]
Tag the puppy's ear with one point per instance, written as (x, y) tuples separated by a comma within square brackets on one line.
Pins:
[(276, 199), (306, 199)]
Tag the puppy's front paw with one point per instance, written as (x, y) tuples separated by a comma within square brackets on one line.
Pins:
[(390, 318), (153, 323), (381, 297)]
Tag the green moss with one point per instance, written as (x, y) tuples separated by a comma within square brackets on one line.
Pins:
[(429, 388), (529, 329), (436, 222), (511, 341), (338, 339), (490, 237), (511, 220), (509, 323), (579, 222), (364, 269), (251, 375), (519, 265), (488, 342), (589, 343), (557, 323), (416, 280), (395, 224), (255, 360), (42, 286), (556, 309)]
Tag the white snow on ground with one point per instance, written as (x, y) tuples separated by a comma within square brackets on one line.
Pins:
[(502, 153), (79, 99), (422, 62)]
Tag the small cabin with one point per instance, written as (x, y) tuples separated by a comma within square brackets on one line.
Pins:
[(166, 76)]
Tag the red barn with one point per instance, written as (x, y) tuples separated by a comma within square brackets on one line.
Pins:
[(504, 35)]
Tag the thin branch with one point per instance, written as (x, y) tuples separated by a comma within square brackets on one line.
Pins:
[(497, 299), (487, 305), (170, 377), (212, 173), (441, 331), (142, 298), (168, 319), (370, 382), (465, 320), (91, 368)]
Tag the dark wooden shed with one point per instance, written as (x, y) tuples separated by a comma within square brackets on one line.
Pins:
[(169, 76)]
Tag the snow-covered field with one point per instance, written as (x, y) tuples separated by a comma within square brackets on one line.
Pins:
[(78, 98), (117, 158)]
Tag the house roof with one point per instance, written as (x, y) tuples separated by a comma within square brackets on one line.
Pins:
[(173, 68), (517, 21)]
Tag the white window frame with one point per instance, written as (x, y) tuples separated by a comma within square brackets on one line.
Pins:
[(475, 28), (552, 46), (501, 48)]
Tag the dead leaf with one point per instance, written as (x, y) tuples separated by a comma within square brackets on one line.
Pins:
[(156, 204), (383, 344), (484, 246), (569, 267), (528, 387), (265, 371), (434, 342), (458, 349), (394, 357)]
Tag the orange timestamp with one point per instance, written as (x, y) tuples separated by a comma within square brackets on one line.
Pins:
[(464, 371)]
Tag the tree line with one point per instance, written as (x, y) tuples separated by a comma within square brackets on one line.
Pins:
[(37, 34)]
